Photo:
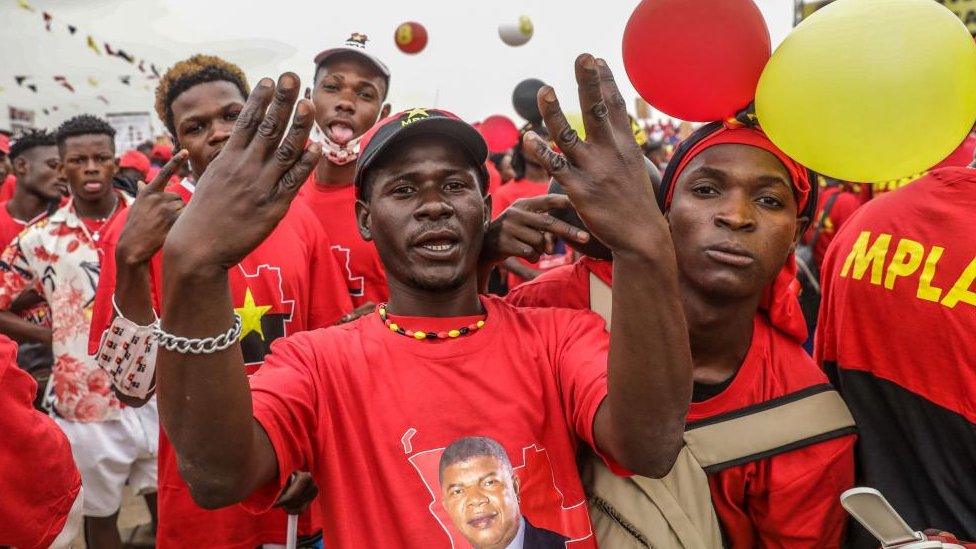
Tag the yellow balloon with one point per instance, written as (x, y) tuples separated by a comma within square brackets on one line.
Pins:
[(871, 90), (575, 120)]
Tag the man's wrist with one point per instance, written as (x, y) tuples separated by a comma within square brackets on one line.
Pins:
[(130, 258), (188, 264)]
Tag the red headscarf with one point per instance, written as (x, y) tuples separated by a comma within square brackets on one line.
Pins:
[(780, 298)]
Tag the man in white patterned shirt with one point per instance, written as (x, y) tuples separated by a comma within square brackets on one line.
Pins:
[(59, 257)]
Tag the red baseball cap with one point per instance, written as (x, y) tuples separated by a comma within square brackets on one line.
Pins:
[(4, 144), (416, 122), (135, 160), (161, 152), (499, 132)]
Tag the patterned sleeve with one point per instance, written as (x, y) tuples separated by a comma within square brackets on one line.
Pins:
[(17, 273)]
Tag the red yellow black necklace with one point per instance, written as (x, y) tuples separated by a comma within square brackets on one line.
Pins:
[(421, 335)]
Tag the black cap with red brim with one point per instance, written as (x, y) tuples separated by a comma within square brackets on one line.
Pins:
[(391, 129)]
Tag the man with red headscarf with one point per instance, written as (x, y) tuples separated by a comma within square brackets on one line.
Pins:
[(737, 206)]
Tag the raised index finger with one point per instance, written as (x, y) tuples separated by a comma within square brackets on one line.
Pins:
[(159, 182)]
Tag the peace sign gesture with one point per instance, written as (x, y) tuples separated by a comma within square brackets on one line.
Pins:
[(248, 188), (605, 175)]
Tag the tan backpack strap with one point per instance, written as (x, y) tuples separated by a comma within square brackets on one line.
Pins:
[(601, 298), (674, 512), (685, 502), (799, 419)]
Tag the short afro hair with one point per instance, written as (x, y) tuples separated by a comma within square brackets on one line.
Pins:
[(30, 140), (185, 74), (85, 124), (466, 448)]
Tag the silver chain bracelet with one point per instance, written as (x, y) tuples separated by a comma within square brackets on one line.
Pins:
[(198, 346)]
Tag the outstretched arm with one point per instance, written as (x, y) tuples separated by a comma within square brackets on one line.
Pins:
[(641, 422), (204, 399)]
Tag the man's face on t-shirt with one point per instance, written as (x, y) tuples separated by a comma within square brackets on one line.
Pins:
[(481, 495)]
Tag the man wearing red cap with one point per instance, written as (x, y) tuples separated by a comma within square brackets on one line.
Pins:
[(134, 167), (736, 206), (349, 92), (369, 406), (896, 331)]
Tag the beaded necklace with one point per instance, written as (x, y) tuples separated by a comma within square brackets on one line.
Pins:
[(420, 334)]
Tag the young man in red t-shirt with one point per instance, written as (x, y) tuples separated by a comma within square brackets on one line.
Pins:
[(34, 158), (896, 330), (735, 205), (288, 284), (368, 407), (35, 513), (349, 90)]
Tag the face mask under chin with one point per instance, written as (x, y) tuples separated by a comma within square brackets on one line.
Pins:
[(339, 155)]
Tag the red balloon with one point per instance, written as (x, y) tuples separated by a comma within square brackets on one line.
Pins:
[(696, 60), (410, 37)]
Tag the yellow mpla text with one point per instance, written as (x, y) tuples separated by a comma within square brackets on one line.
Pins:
[(883, 261)]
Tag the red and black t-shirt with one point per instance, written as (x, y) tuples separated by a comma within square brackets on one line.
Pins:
[(288, 284), (897, 326), (789, 500)]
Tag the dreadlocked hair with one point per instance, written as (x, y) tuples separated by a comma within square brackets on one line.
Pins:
[(30, 140), (185, 74), (84, 124)]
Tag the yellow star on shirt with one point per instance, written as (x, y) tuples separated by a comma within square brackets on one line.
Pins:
[(251, 315)]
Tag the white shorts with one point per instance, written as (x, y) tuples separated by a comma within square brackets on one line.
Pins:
[(110, 454)]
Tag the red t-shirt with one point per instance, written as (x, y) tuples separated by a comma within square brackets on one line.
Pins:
[(38, 478), (505, 197), (8, 187), (335, 207), (790, 500), (288, 284), (897, 325), (843, 207), (369, 412), (9, 227)]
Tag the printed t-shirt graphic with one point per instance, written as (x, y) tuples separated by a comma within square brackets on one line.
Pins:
[(335, 208), (294, 285), (367, 411), (898, 319)]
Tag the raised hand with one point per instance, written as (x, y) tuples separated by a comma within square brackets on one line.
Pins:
[(151, 216), (605, 175), (526, 229), (248, 188)]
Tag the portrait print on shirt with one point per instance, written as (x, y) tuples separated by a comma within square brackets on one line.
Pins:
[(480, 492)]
